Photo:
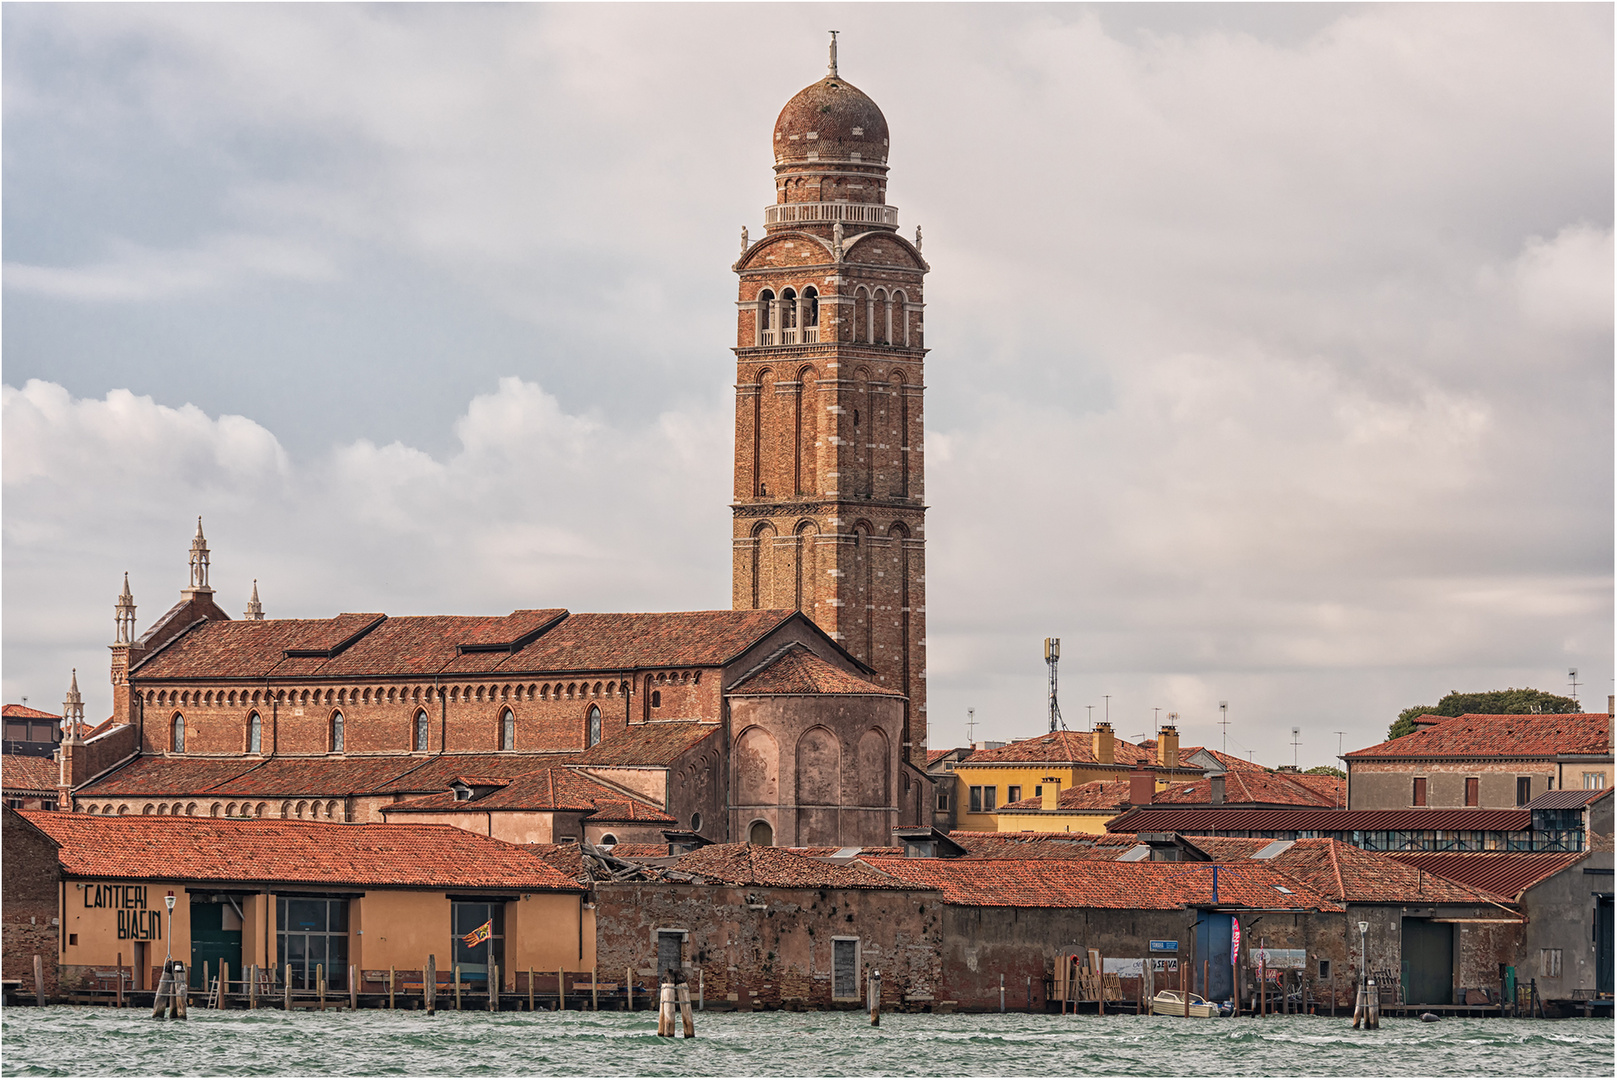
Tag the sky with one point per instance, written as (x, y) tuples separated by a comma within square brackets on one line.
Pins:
[(1271, 345)]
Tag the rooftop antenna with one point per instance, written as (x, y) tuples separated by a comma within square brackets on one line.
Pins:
[(1106, 715), (1294, 734), (1156, 711), (1572, 674), (1339, 735), (1224, 722), (1091, 709), (833, 72), (971, 724), (1052, 656)]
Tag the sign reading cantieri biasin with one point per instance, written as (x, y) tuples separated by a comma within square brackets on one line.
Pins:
[(137, 921)]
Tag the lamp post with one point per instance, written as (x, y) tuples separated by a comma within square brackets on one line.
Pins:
[(1364, 959), (168, 902)]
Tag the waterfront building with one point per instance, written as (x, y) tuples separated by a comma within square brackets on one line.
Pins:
[(1374, 830), (274, 893), (1483, 761)]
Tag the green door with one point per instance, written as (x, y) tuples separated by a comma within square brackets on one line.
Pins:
[(1428, 949), (215, 939)]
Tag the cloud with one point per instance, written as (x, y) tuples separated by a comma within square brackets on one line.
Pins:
[(1270, 346)]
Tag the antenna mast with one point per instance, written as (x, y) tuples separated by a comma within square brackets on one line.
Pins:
[(1572, 674), (1224, 722), (971, 724), (1294, 734), (1052, 656)]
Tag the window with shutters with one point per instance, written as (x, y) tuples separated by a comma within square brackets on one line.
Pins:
[(845, 968), (1551, 963), (1419, 796), (1524, 790), (976, 800), (1471, 791)]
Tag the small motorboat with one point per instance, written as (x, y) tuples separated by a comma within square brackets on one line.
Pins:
[(1181, 1003)]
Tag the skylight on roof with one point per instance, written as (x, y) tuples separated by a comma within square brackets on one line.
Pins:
[(1282, 888)]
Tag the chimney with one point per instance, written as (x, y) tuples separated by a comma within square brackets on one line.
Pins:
[(1102, 743), (1050, 793), (1217, 794), (1168, 747), (1142, 784)]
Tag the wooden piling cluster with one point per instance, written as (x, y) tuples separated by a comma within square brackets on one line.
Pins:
[(674, 1007), (1367, 1008), (173, 992)]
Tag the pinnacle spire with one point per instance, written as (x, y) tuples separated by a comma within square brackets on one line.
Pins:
[(123, 615), (832, 73), (73, 710), (199, 563), (255, 610)]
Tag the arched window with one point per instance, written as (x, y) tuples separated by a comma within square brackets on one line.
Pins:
[(696, 822), (176, 738), (593, 736), (766, 317), (788, 317), (608, 841), (808, 309), (761, 834), (336, 732), (656, 699), (901, 311), (508, 730), (421, 730), (255, 734)]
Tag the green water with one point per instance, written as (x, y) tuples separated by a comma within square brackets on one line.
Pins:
[(77, 1041)]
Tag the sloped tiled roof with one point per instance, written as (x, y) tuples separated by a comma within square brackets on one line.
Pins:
[(1031, 845), (25, 772), (1059, 748), (1197, 820), (1514, 735), (1567, 799), (623, 810), (751, 864), (1347, 874), (434, 774), (1230, 762), (1097, 795), (656, 744), (1147, 886), (401, 646), (27, 712), (543, 789), (1260, 787), (156, 775), (795, 670), (1505, 873), (219, 850)]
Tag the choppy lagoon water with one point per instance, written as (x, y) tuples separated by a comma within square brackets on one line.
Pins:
[(82, 1041)]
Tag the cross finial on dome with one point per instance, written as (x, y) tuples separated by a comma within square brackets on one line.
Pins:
[(832, 74)]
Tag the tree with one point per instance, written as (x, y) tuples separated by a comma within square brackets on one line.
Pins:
[(1326, 770), (1454, 703)]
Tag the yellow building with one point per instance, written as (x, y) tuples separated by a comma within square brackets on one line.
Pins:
[(1041, 767), (306, 900)]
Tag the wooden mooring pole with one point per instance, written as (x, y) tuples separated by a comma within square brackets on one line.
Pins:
[(120, 980), (561, 990), (873, 996), (286, 991), (39, 978), (353, 987), (224, 985), (456, 972), (628, 986), (595, 990), (665, 1007), (494, 988), (252, 986), (530, 989), (429, 985), (685, 1016), (320, 982), (390, 985)]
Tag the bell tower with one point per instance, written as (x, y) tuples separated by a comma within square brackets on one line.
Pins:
[(829, 510)]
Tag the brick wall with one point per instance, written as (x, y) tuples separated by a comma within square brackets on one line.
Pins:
[(29, 899)]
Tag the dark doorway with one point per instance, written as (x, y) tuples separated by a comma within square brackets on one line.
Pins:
[(215, 938), (479, 938), (670, 952), (1428, 962), (1603, 929), (1213, 945)]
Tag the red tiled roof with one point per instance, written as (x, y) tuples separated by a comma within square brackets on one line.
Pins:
[(1504, 873), (26, 712), (641, 851), (167, 776), (1098, 795), (217, 850), (750, 864), (1031, 845), (1230, 762), (795, 670), (1060, 748), (934, 756), (659, 743), (1095, 884), (1345, 873), (1256, 787), (1198, 820), (626, 811), (24, 772), (1514, 735), (1567, 799), (542, 789), (409, 645)]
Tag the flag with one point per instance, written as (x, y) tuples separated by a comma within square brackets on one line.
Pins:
[(478, 936), (1235, 942)]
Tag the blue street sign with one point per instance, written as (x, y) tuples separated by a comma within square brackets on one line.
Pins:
[(1164, 946)]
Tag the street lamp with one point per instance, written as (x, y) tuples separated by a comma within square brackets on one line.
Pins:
[(1364, 960), (168, 902)]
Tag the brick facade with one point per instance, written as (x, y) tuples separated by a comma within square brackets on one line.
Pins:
[(32, 887), (829, 504)]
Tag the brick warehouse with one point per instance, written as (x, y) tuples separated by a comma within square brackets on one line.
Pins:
[(798, 717)]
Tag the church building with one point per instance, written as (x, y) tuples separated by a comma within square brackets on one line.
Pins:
[(798, 717)]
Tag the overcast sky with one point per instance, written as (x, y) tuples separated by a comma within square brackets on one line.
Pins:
[(1271, 345)]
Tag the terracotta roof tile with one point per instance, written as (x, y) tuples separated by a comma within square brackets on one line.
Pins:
[(1514, 735), (155, 775), (1062, 845), (544, 789), (795, 670), (1505, 873), (1058, 748), (657, 744), (25, 772), (1088, 883), (1347, 874), (1196, 820), (217, 850), (1230, 762), (400, 646), (1259, 787), (25, 712), (750, 864)]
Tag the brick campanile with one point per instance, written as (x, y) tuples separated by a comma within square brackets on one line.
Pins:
[(829, 499)]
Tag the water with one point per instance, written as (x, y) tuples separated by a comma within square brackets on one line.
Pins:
[(73, 1041)]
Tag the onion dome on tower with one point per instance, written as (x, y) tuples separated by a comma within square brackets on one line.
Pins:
[(831, 157)]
